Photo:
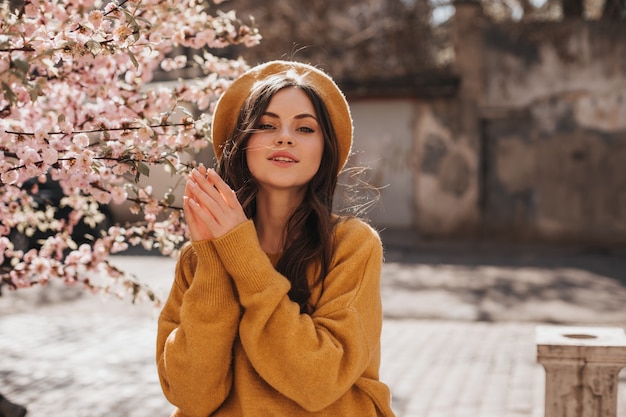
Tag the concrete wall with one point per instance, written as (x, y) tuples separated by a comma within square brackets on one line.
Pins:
[(533, 146), (383, 143), (556, 146)]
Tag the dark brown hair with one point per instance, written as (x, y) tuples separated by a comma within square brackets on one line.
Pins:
[(309, 230)]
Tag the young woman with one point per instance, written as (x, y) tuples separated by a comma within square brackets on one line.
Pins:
[(275, 308)]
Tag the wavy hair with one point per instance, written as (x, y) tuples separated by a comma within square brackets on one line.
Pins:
[(309, 230)]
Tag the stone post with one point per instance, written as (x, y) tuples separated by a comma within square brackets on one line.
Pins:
[(448, 136), (582, 366)]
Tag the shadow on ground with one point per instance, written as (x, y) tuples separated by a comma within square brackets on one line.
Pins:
[(493, 281)]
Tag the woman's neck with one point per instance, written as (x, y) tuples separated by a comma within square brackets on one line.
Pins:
[(272, 213)]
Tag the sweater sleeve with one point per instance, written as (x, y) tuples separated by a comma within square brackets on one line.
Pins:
[(196, 331), (311, 359)]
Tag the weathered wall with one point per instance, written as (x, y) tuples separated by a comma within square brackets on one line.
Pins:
[(555, 151), (445, 174), (448, 142), (534, 144), (383, 143)]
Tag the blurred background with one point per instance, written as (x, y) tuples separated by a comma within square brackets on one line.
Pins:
[(495, 133), (500, 119)]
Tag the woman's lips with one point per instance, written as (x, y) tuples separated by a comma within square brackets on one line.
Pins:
[(283, 158)]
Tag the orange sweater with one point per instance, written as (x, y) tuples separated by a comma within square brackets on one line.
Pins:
[(231, 343)]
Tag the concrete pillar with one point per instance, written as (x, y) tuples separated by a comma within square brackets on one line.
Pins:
[(448, 137), (582, 366)]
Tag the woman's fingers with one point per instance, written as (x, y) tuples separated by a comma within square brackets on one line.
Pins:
[(227, 193), (213, 202), (199, 221), (232, 212), (198, 218), (205, 194)]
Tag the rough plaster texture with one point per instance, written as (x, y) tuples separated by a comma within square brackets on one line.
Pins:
[(529, 62), (383, 143), (446, 186), (553, 150), (547, 176)]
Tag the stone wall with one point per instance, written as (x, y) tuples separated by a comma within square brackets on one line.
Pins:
[(534, 144), (556, 149)]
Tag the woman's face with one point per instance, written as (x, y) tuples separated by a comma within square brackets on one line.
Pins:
[(286, 149)]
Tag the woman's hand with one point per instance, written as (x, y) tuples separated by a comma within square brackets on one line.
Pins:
[(211, 206)]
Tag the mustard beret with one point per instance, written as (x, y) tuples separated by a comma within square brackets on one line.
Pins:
[(230, 103)]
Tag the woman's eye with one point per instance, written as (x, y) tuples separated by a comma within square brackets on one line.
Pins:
[(306, 129), (265, 126)]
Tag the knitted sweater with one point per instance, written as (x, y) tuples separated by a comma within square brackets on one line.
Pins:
[(231, 343)]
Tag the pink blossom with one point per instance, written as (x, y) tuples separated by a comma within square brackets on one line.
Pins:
[(41, 266), (102, 197), (50, 156), (80, 92), (41, 133), (110, 7), (121, 33), (95, 18), (120, 169), (9, 177), (31, 10), (155, 37), (66, 127), (81, 140), (119, 247), (28, 155), (180, 37), (144, 133)]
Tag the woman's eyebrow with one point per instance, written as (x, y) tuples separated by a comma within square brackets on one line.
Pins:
[(297, 116)]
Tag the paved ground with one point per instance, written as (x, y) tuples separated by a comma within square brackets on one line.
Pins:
[(458, 339)]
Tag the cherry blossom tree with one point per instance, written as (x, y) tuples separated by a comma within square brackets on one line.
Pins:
[(78, 107)]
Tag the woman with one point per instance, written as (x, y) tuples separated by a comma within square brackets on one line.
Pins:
[(10, 409), (275, 309)]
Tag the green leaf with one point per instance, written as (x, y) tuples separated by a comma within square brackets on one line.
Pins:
[(133, 24), (143, 169), (93, 46), (133, 59), (146, 21), (34, 91), (20, 65), (9, 94)]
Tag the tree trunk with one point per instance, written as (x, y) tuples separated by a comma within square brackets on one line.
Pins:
[(573, 8)]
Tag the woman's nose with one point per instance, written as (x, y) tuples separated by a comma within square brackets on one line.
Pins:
[(283, 139)]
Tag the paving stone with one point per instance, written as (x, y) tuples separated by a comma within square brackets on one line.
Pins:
[(467, 348)]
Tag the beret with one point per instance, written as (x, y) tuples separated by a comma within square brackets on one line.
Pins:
[(232, 100)]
